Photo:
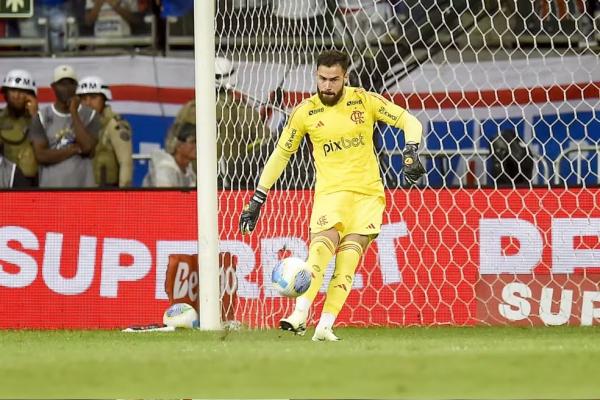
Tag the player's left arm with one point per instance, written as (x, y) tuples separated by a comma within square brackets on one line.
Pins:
[(396, 116), (287, 145)]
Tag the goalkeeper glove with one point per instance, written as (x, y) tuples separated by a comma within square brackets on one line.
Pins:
[(412, 165), (251, 212)]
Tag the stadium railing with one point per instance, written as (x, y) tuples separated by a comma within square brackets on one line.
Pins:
[(175, 40), (78, 43), (30, 45), (140, 157), (580, 150)]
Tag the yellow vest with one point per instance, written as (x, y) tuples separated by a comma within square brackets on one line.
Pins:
[(186, 115), (113, 164), (17, 147)]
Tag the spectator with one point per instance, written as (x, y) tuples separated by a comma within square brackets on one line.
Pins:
[(174, 168), (512, 160), (184, 120), (113, 163), (56, 13), (113, 17), (9, 27), (241, 132), (10, 175), (19, 90), (64, 135)]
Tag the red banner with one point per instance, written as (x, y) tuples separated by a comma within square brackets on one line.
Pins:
[(97, 259)]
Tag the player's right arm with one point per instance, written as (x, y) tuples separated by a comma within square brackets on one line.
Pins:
[(287, 145)]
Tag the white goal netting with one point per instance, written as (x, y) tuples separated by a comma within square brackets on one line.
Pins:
[(505, 226)]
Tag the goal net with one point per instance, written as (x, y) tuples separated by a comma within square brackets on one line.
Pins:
[(505, 226)]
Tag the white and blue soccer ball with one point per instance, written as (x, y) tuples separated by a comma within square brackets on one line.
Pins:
[(290, 277), (181, 315)]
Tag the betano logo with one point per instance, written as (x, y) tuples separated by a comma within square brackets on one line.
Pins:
[(290, 141), (343, 143)]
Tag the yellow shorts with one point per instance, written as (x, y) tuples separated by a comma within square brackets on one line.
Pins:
[(348, 212)]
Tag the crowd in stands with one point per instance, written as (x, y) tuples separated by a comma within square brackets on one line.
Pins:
[(98, 18), (79, 141), (342, 19), (358, 22)]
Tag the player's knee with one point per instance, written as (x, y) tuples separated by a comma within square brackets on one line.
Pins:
[(362, 240), (331, 235)]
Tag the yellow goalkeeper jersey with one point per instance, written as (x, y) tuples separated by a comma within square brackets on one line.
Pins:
[(342, 140)]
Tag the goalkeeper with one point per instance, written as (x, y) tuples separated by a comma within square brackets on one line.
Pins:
[(349, 197)]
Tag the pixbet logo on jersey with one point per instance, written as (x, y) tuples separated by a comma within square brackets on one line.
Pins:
[(343, 143)]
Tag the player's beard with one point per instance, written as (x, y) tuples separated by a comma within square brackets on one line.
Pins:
[(329, 99)]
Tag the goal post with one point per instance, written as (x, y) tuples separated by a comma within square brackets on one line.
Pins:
[(206, 145), (504, 229)]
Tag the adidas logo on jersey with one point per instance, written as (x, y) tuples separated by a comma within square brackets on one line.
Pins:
[(343, 143), (319, 124)]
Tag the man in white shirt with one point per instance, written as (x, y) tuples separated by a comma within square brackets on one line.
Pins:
[(64, 136), (175, 169)]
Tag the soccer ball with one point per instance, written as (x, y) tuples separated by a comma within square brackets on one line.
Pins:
[(181, 315), (290, 277)]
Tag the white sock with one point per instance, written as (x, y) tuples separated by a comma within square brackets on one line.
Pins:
[(326, 321), (303, 305)]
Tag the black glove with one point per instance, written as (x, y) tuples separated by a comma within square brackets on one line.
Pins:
[(412, 165), (251, 212)]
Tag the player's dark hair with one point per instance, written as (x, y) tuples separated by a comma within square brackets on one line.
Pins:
[(329, 58)]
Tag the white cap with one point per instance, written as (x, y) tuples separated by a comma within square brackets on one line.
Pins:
[(93, 84), (64, 71), (19, 79), (224, 71)]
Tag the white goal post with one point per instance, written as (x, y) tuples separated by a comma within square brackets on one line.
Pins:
[(208, 236)]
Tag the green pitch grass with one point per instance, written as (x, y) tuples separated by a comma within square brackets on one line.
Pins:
[(439, 362)]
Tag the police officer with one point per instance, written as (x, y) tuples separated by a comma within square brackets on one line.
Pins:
[(113, 163), (10, 175), (19, 90), (184, 120), (240, 131)]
